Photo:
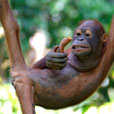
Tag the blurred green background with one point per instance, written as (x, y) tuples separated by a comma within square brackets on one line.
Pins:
[(58, 19)]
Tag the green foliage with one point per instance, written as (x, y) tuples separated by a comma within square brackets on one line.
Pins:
[(8, 100), (9, 104), (58, 18)]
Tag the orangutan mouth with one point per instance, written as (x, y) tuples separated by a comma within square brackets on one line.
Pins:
[(79, 46)]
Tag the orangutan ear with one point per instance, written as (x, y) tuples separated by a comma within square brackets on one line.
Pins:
[(105, 37)]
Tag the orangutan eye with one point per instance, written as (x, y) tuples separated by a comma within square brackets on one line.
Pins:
[(88, 33), (78, 32)]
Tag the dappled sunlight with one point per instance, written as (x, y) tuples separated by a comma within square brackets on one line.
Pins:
[(44, 23), (5, 64), (38, 43), (107, 108), (1, 32), (92, 110), (8, 101), (9, 105)]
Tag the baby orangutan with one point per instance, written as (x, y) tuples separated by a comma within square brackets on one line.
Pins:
[(60, 79)]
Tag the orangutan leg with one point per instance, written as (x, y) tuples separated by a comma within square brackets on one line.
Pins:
[(19, 69)]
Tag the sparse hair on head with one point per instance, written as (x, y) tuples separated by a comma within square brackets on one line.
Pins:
[(97, 23)]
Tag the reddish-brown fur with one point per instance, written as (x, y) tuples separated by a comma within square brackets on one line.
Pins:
[(35, 85)]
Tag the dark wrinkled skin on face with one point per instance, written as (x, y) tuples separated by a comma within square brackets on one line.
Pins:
[(57, 83), (89, 59), (61, 78)]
